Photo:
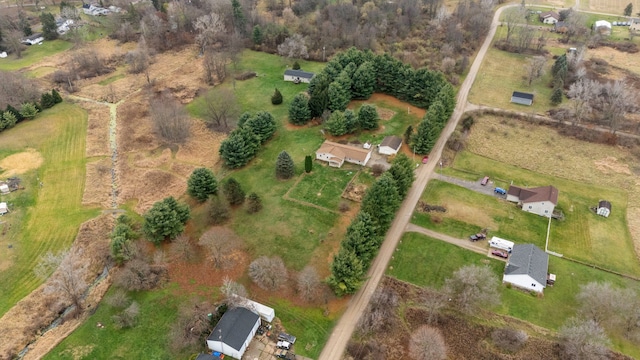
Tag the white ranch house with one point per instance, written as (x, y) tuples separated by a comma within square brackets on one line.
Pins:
[(234, 332), (298, 76), (527, 268), (539, 200), (550, 17), (390, 145), (336, 154), (33, 39)]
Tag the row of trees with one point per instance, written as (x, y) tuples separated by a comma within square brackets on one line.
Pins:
[(347, 122), (366, 232), (437, 116), (244, 142), (11, 116)]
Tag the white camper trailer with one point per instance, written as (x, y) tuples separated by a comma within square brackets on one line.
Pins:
[(501, 244)]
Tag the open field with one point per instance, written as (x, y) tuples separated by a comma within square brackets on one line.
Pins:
[(47, 218), (610, 6), (419, 260), (34, 54)]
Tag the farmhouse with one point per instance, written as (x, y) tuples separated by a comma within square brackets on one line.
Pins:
[(522, 98), (539, 200), (297, 76), (3, 208), (234, 332), (527, 268), (604, 208), (336, 154), (603, 27), (390, 145), (4, 189), (33, 39), (549, 17)]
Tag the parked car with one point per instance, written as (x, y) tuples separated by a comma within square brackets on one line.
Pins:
[(290, 356), (281, 353), (283, 345), (477, 237), (500, 191), (500, 253), (484, 181), (425, 159), (286, 337)]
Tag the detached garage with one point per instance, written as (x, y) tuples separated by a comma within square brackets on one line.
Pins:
[(234, 332), (390, 145), (522, 98)]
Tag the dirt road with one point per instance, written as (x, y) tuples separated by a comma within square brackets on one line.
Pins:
[(479, 247), (337, 343)]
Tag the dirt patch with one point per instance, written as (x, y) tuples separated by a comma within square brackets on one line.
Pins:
[(97, 188), (20, 163), (391, 101), (611, 164), (354, 192), (385, 114)]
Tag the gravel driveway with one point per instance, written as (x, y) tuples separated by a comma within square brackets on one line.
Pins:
[(471, 185)]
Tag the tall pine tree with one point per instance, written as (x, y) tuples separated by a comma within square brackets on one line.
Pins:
[(285, 168), (347, 273)]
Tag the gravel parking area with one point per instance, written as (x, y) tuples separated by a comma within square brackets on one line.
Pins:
[(471, 185)]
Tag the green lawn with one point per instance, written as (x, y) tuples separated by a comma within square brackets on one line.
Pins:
[(34, 54), (44, 219), (582, 235), (323, 186), (428, 262)]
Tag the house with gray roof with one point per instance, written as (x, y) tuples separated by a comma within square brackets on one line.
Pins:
[(297, 76), (234, 332), (527, 268)]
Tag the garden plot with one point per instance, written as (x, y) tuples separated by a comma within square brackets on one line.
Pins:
[(322, 187)]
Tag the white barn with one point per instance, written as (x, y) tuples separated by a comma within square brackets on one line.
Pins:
[(234, 332), (336, 154), (604, 208), (298, 76), (390, 145), (527, 268), (539, 200)]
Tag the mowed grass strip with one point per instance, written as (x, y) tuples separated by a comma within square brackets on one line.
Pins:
[(425, 261), (52, 223), (34, 54), (323, 186)]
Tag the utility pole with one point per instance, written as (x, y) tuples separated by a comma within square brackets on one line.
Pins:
[(323, 53)]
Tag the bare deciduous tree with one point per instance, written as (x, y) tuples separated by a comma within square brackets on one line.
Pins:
[(268, 272), (308, 283), (13, 42), (427, 343), (434, 302), (380, 313), (137, 275), (535, 68), (220, 244), (128, 317), (170, 119), (139, 59), (182, 248), (294, 47), (221, 110), (576, 28), (598, 302), (472, 286), (68, 281), (215, 66), (514, 18), (234, 292), (509, 339), (582, 93), (210, 27), (583, 340), (448, 65), (615, 101), (191, 327)]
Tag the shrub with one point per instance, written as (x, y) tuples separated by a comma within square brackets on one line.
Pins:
[(165, 219), (202, 184), (233, 192), (28, 110), (285, 168), (276, 98), (254, 203), (508, 339), (219, 210), (268, 273), (295, 66)]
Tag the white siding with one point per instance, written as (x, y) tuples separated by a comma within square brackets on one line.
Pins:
[(228, 350), (293, 78), (332, 160), (513, 198), (550, 20), (542, 208), (387, 150), (603, 211), (524, 282)]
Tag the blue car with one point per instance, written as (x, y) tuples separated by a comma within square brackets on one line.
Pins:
[(500, 191)]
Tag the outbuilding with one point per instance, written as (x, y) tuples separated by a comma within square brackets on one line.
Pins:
[(604, 208), (33, 39), (603, 27), (522, 98), (4, 189), (527, 268), (234, 332), (3, 208), (265, 312), (549, 17), (298, 76), (390, 145)]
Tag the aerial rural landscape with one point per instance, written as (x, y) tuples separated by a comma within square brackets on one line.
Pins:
[(320, 179)]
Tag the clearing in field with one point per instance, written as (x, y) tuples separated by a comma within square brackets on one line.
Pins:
[(20, 163), (323, 186)]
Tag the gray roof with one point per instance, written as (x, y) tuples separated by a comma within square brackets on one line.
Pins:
[(604, 204), (299, 73), (393, 142), (203, 356), (528, 259), (234, 327)]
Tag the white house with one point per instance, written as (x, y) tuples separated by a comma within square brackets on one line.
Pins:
[(265, 312), (336, 154), (604, 208), (527, 268), (603, 27), (94, 10), (390, 145), (634, 25), (64, 26), (33, 39), (3, 208), (3, 55), (234, 332), (4, 189), (549, 17), (297, 76), (539, 200)]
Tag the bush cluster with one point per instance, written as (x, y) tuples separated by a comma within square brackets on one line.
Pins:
[(11, 116)]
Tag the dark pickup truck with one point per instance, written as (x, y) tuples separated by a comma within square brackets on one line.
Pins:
[(477, 237)]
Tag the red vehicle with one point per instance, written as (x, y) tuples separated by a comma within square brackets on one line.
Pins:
[(484, 181), (425, 159), (500, 253)]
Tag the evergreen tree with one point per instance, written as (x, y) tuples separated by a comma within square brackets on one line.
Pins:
[(165, 219), (202, 184), (28, 111), (219, 211), (350, 121), (437, 114), (243, 118), (338, 97), (56, 96), (256, 36), (285, 168), (295, 66), (447, 97), (364, 81), (46, 100), (15, 112), (49, 27), (239, 148), (421, 139), (402, 172), (347, 273), (7, 120), (556, 96), (560, 67), (335, 125), (407, 134), (276, 98), (318, 102), (628, 9), (24, 25), (362, 239), (383, 200), (368, 117), (262, 124), (299, 113), (239, 20), (254, 203), (233, 192), (308, 164)]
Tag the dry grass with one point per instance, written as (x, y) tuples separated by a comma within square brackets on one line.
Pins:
[(611, 6), (97, 190), (20, 163), (97, 129), (616, 58), (385, 114), (462, 212)]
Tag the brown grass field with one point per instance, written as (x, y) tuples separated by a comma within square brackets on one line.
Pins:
[(20, 163)]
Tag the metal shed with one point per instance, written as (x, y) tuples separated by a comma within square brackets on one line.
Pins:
[(522, 98)]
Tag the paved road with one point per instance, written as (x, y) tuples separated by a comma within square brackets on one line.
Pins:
[(335, 347)]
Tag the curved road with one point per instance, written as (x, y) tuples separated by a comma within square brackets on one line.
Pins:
[(337, 343)]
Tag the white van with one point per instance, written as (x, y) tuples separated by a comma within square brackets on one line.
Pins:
[(501, 244)]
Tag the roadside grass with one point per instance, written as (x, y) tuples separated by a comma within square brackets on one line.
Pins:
[(419, 260), (34, 54), (51, 215), (147, 340), (323, 186)]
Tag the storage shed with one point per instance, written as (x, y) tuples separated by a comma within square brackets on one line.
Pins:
[(3, 208), (522, 98), (390, 145), (298, 76), (604, 208), (4, 189), (265, 312), (234, 332)]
